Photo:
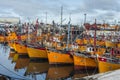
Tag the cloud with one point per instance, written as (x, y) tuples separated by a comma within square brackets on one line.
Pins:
[(100, 9)]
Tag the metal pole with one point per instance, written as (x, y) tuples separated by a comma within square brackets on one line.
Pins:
[(61, 15), (85, 18), (46, 17)]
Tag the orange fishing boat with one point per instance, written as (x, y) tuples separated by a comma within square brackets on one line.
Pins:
[(109, 61), (84, 60), (108, 64), (59, 57), (20, 48), (37, 52), (85, 57)]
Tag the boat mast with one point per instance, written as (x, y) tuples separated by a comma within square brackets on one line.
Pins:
[(61, 15), (36, 29), (85, 18), (71, 28), (95, 37), (46, 17), (68, 34), (85, 21)]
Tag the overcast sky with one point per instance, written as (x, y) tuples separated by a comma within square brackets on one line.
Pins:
[(108, 10)]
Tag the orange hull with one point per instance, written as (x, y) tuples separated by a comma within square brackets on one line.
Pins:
[(105, 66), (84, 62), (37, 53), (59, 58), (20, 48)]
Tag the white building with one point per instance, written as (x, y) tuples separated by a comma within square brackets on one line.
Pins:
[(9, 20)]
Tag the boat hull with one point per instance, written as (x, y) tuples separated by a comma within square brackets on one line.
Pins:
[(105, 66), (37, 53), (20, 48), (59, 58), (81, 62)]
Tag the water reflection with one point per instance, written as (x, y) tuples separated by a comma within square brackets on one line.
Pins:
[(21, 67), (78, 74), (37, 70), (59, 72), (11, 55), (21, 63), (6, 67)]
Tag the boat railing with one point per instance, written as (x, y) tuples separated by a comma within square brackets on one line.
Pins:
[(85, 54), (113, 60)]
